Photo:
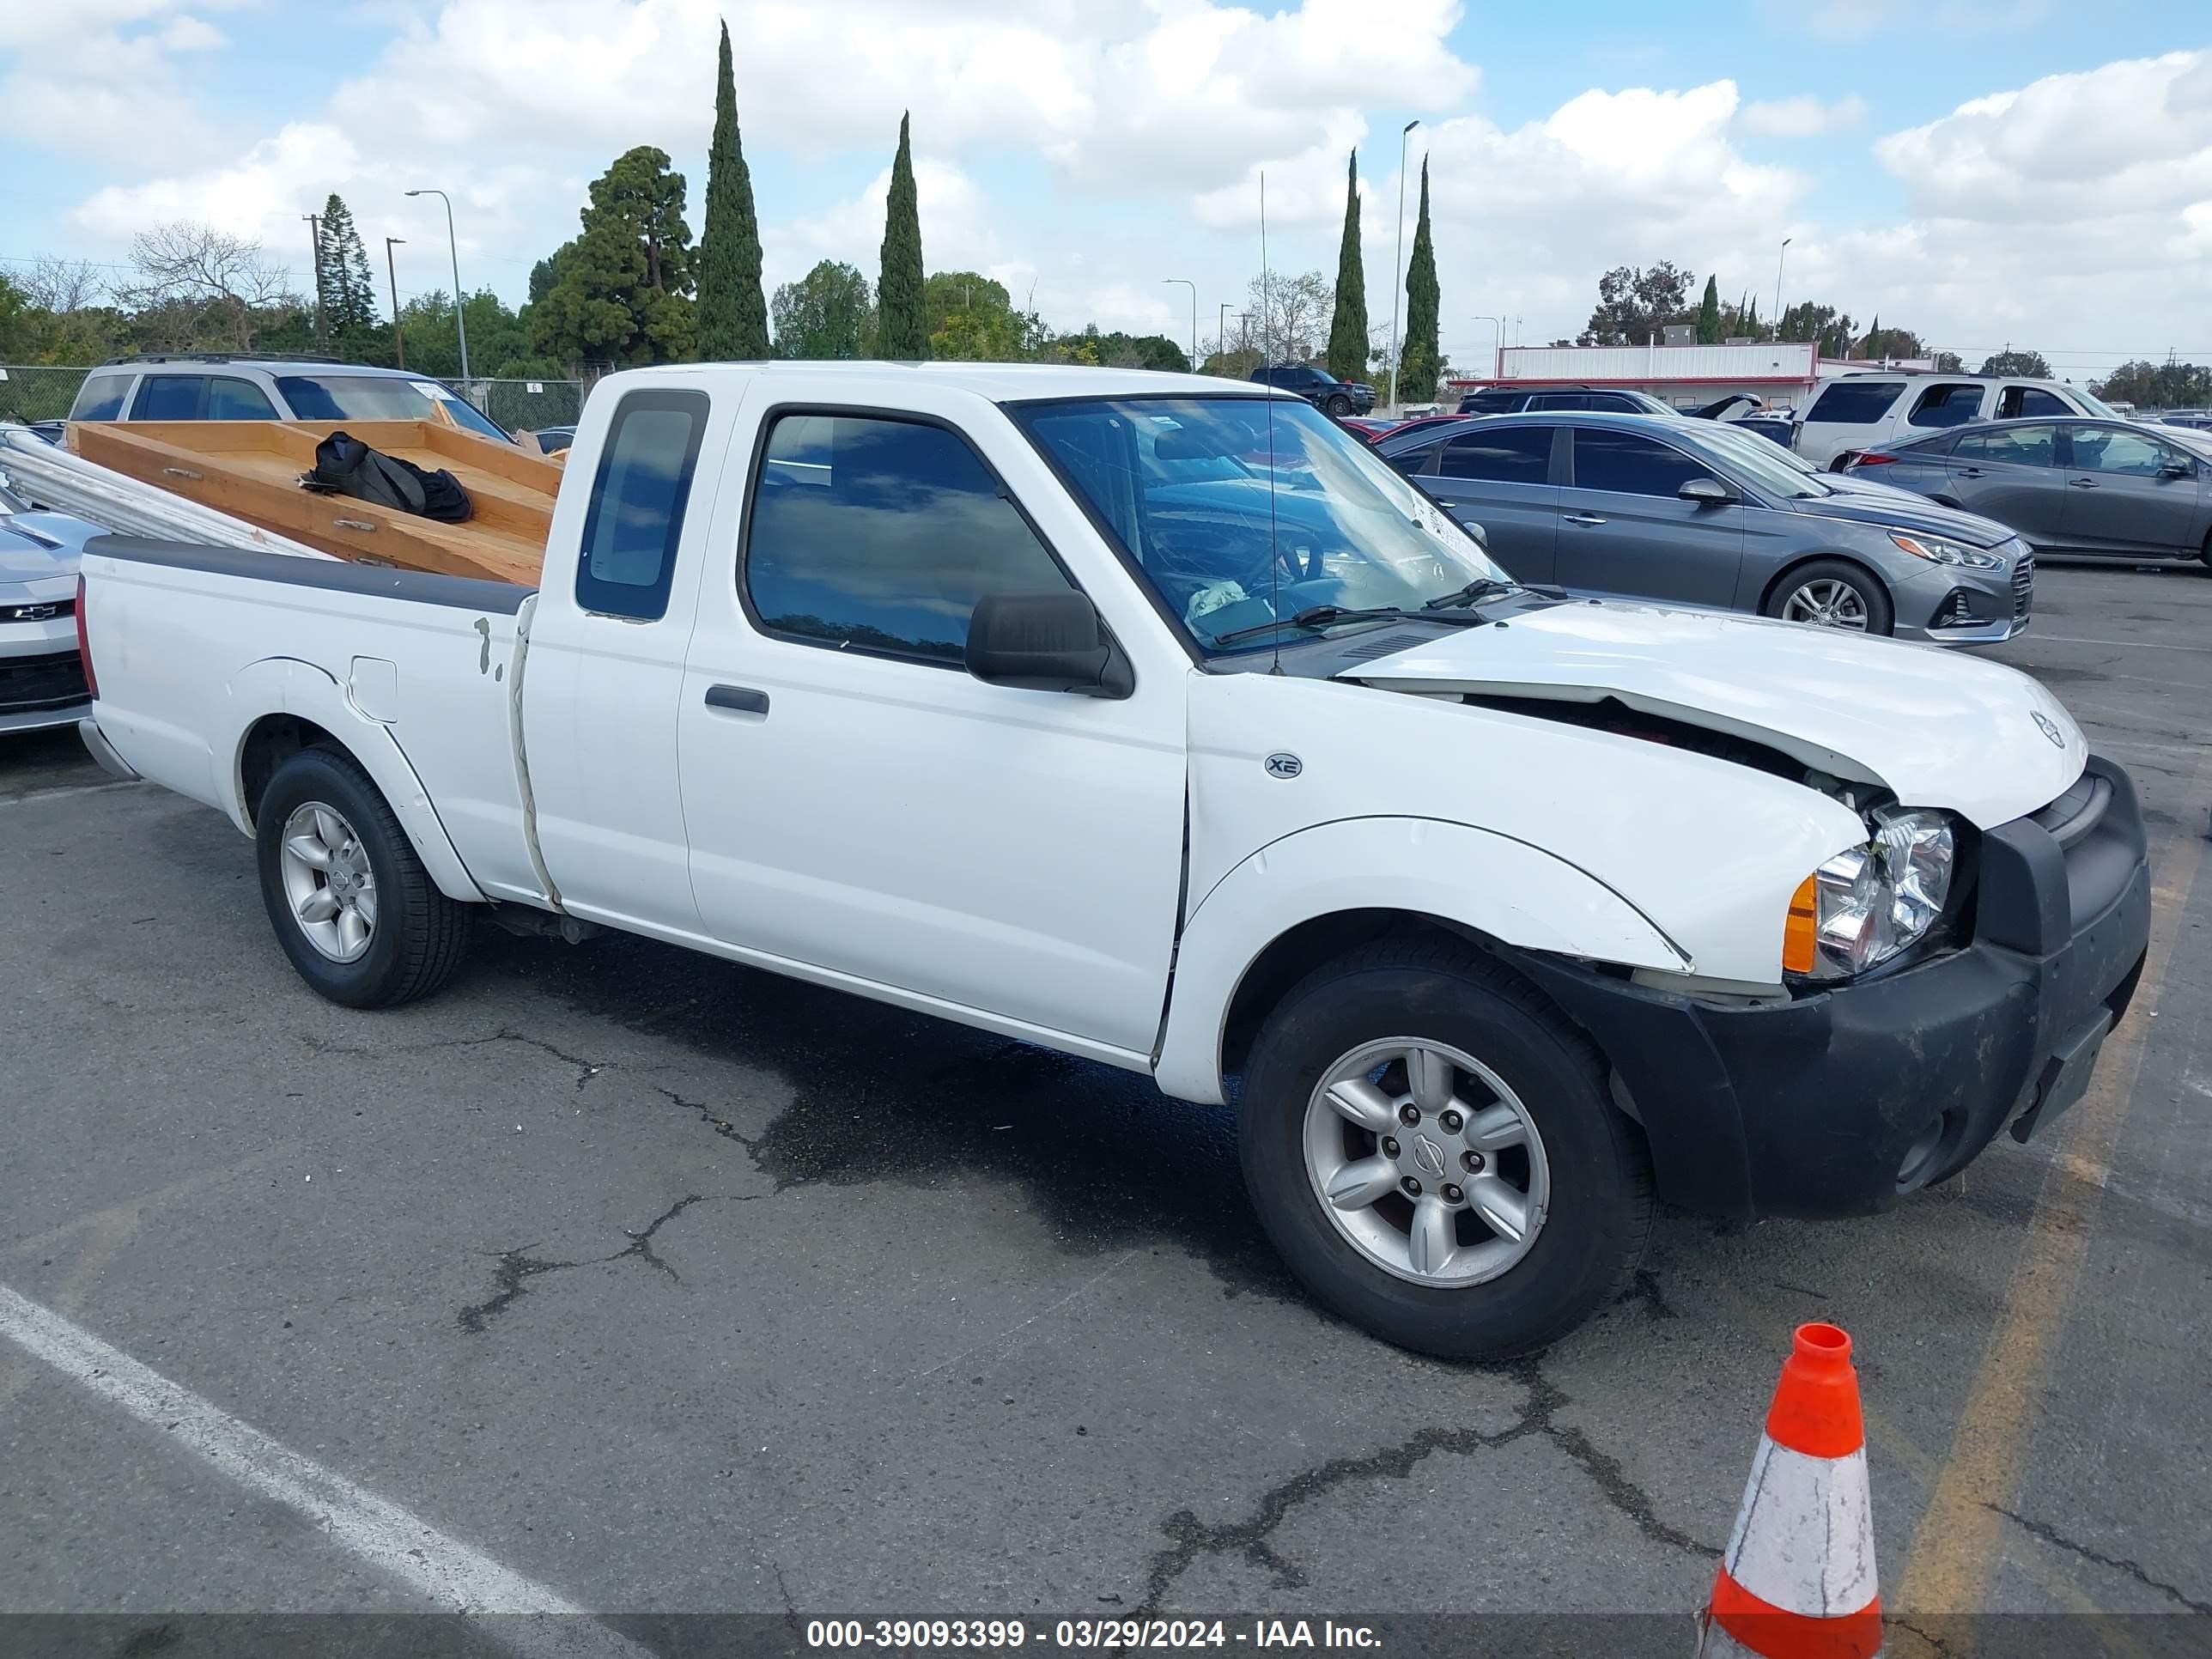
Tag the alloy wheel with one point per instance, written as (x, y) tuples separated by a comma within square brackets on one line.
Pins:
[(328, 882), (1426, 1163)]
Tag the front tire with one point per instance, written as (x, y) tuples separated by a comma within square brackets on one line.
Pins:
[(1433, 1150), (351, 903), (1340, 405), (1833, 593)]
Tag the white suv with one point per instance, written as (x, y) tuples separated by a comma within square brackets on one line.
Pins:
[(212, 385), (1864, 409)]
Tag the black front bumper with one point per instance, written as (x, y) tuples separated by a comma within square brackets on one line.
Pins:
[(1834, 1102)]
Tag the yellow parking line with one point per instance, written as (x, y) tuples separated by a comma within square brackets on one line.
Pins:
[(1955, 1546)]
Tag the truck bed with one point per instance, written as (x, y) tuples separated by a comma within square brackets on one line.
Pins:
[(197, 648), (251, 469)]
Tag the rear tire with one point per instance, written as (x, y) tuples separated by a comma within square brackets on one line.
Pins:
[(351, 903), (1562, 1156), (1834, 586)]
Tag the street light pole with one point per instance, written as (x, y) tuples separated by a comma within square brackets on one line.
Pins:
[(1398, 264), (1780, 253), (1168, 281), (1498, 351), (460, 325), (399, 338)]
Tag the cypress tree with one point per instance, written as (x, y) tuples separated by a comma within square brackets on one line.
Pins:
[(1418, 360), (342, 276), (901, 309), (1347, 329), (732, 315), (1709, 314)]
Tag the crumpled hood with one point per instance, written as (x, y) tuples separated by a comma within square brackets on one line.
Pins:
[(1936, 727), (1908, 511)]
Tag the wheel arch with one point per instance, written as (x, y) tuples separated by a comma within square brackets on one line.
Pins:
[(1320, 892), (282, 705)]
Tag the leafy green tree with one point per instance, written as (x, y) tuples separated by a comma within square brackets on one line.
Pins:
[(1888, 343), (1634, 304), (1348, 328), (2146, 385), (972, 319), (1116, 350), (1949, 362), (2024, 365), (1709, 314), (902, 311), (343, 276), (1832, 332), (826, 313), (732, 316), (1419, 358), (620, 292), (498, 338)]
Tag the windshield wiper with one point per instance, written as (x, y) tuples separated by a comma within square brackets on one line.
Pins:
[(1324, 616), (1480, 588)]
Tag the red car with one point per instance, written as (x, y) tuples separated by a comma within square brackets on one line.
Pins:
[(1370, 429)]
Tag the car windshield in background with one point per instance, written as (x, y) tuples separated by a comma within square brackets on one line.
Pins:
[(1199, 493), (2097, 405), (1762, 461), (380, 397)]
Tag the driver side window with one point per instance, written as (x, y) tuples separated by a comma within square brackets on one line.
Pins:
[(878, 535)]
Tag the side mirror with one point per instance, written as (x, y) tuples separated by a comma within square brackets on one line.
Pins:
[(1046, 641), (2177, 470), (1706, 492), (1475, 529)]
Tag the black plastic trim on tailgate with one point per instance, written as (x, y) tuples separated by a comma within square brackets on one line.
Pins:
[(337, 575)]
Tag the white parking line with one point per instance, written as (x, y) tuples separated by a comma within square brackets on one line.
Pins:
[(373, 1528), (62, 790), (2117, 645)]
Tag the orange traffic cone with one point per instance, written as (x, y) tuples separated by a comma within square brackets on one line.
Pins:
[(1798, 1582)]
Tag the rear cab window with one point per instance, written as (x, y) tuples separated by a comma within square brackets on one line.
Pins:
[(636, 520), (878, 535), (2017, 401), (100, 397), (1853, 402)]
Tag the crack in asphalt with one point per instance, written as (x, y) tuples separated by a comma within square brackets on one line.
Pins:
[(517, 1267), (1939, 1645), (586, 1069), (1191, 1539), (2133, 1569), (720, 1126)]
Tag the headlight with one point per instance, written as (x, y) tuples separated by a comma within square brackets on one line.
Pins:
[(1869, 902), (1937, 550)]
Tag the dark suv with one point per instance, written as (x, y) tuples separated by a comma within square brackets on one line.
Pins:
[(1514, 400), (1319, 387)]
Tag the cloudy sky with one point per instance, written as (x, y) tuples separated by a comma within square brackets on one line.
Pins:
[(2031, 172)]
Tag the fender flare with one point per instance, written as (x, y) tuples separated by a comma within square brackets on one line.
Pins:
[(1505, 889), (290, 685)]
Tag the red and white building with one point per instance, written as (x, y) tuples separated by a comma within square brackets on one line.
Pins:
[(1780, 372)]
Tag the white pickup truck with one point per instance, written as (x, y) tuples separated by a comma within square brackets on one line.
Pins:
[(1152, 719)]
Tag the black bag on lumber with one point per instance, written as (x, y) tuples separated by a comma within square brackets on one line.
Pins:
[(346, 466)]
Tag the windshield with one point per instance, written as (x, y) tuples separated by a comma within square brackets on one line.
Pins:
[(1231, 542), (380, 397), (2096, 405), (1771, 467)]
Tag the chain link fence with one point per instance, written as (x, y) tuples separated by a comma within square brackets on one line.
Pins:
[(40, 392)]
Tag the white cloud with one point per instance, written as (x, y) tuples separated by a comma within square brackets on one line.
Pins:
[(1804, 117), (106, 73)]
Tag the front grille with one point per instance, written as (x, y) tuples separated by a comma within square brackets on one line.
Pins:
[(2023, 586), (30, 685), (46, 611)]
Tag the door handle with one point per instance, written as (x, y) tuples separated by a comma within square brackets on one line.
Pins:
[(738, 699), (2083, 484), (1581, 518), (1969, 472)]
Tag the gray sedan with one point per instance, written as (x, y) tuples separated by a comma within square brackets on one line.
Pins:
[(2101, 488), (1663, 508)]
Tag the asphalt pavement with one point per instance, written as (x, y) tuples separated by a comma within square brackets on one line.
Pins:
[(663, 1287)]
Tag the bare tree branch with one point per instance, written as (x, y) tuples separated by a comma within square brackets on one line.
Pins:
[(63, 286)]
